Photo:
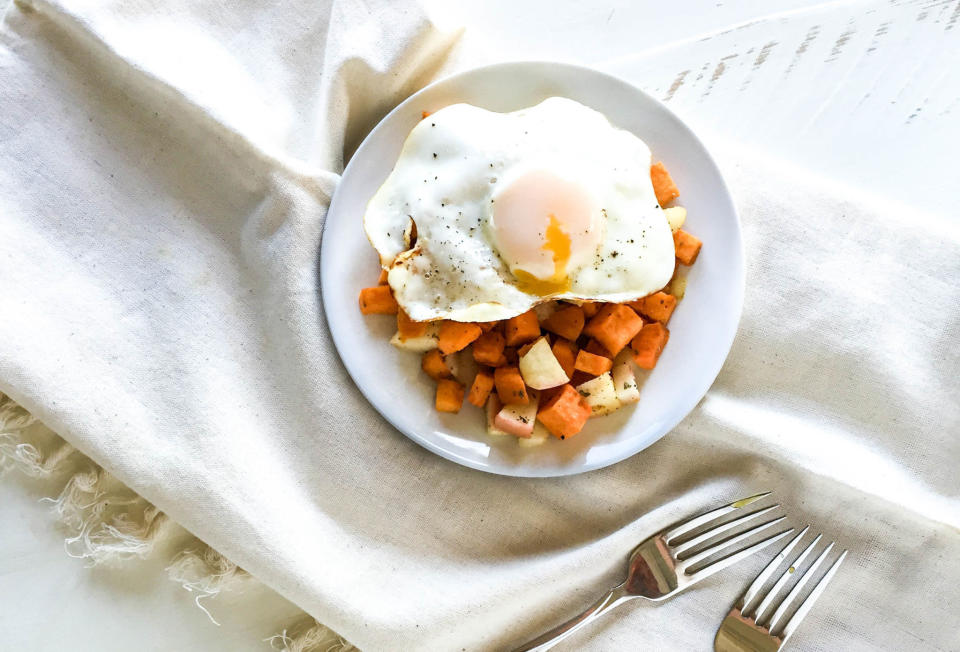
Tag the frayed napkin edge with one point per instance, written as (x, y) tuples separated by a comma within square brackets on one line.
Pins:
[(110, 524)]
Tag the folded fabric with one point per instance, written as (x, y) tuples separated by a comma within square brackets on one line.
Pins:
[(164, 175)]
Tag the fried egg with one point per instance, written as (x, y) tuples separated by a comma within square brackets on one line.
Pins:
[(487, 214)]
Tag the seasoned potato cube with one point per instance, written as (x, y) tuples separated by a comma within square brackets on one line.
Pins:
[(600, 394), (624, 380)]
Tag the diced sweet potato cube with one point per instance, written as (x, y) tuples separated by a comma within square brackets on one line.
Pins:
[(481, 388), (663, 185), (510, 356), (378, 301), (382, 279), (449, 395), (564, 413), (456, 335), (547, 394), (566, 322), (408, 328), (488, 349), (592, 364), (648, 344), (657, 307), (486, 326), (522, 328), (589, 308), (580, 377), (510, 386), (687, 247), (614, 326), (421, 344), (565, 352), (424, 114), (434, 365), (596, 348)]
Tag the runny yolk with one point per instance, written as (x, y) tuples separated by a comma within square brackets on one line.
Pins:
[(557, 244), (544, 228)]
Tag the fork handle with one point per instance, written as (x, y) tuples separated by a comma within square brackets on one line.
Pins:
[(547, 640)]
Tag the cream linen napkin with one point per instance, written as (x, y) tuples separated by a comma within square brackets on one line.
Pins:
[(164, 173)]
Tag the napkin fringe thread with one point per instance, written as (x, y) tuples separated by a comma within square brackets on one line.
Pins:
[(203, 571), (308, 635), (110, 523)]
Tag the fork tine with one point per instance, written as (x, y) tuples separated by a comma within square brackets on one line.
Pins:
[(783, 579), (801, 613), (709, 534), (782, 609), (754, 589), (697, 521), (720, 564), (728, 542)]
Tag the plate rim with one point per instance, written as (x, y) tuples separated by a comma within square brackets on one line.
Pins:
[(526, 472)]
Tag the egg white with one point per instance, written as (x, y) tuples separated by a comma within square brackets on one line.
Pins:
[(445, 181)]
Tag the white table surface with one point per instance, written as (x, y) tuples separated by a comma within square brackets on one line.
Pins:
[(863, 92)]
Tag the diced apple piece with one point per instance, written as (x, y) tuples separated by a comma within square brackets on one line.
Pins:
[(540, 368), (600, 394), (624, 380), (540, 435), (518, 419), (678, 284), (544, 310), (421, 344), (493, 407), (676, 216), (515, 420), (462, 366)]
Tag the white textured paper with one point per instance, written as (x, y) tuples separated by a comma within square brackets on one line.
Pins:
[(164, 172)]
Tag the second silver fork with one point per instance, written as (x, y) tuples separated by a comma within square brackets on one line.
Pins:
[(747, 628), (663, 565)]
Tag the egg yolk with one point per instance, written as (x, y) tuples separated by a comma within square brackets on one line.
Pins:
[(544, 227)]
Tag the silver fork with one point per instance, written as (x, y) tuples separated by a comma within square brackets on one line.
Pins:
[(746, 629), (661, 566)]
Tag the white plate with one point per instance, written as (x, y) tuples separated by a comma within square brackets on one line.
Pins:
[(701, 330)]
